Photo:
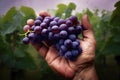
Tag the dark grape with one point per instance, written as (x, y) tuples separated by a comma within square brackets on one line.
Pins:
[(39, 18), (69, 23), (31, 35), (37, 29), (75, 44), (56, 36), (56, 19), (44, 32), (72, 37), (43, 25), (50, 36), (61, 21), (55, 29), (71, 30), (25, 40), (53, 23), (68, 43), (63, 34), (63, 27), (68, 55), (78, 29), (63, 48), (37, 22)]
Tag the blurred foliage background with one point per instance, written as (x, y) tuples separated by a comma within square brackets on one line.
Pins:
[(22, 62)]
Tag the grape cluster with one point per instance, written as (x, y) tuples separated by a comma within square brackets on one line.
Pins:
[(59, 32)]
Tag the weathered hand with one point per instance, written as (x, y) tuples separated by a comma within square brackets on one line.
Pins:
[(66, 67)]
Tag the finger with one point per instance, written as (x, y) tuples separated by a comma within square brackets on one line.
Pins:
[(87, 28), (41, 48)]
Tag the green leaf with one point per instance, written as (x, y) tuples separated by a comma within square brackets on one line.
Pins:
[(72, 6), (115, 18), (11, 21)]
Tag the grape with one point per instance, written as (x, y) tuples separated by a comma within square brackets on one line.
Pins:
[(37, 29), (39, 18), (50, 36), (63, 27), (30, 22), (71, 30), (68, 55), (25, 40), (61, 41), (32, 28), (44, 32), (75, 44), (31, 35), (63, 48), (47, 20), (53, 23), (56, 36), (75, 53), (26, 28), (63, 34), (43, 25), (37, 22), (78, 29), (55, 29), (68, 43), (56, 19), (74, 19), (69, 23), (61, 21), (72, 37)]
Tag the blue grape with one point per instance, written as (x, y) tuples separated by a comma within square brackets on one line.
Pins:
[(47, 21), (39, 18), (31, 35), (72, 37), (44, 32), (68, 55), (74, 19), (75, 44), (61, 21), (63, 48), (43, 25), (68, 43), (56, 19), (37, 29), (61, 41), (71, 30), (78, 29), (57, 36), (69, 23), (37, 22), (25, 40), (63, 34), (55, 29), (53, 23), (50, 36), (63, 27)]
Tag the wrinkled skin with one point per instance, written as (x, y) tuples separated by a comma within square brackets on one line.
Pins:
[(66, 67)]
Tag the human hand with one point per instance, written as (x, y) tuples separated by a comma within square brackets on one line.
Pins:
[(83, 66)]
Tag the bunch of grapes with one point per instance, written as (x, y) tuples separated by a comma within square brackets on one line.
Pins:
[(59, 32)]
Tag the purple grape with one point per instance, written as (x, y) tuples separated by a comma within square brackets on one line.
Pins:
[(63, 27), (69, 23), (78, 29), (72, 37), (55, 29), (61, 21), (31, 35), (68, 55), (43, 25), (53, 23), (50, 36), (47, 21), (56, 19), (57, 36), (75, 44), (63, 34), (63, 48), (75, 54), (37, 29), (44, 32), (68, 43), (37, 22), (74, 19), (39, 18), (71, 30), (61, 41), (25, 40)]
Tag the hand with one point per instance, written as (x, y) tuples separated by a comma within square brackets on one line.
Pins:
[(67, 68)]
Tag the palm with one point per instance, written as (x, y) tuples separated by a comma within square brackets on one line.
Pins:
[(66, 67)]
